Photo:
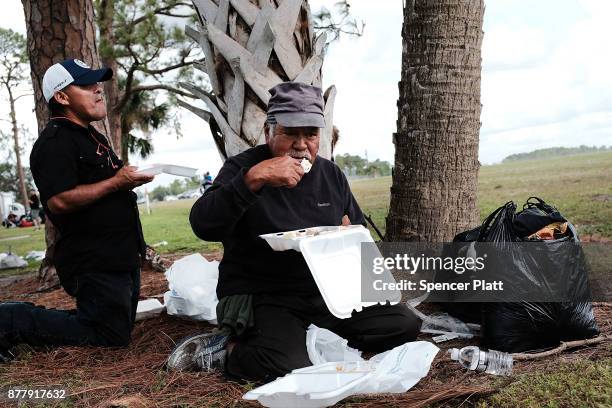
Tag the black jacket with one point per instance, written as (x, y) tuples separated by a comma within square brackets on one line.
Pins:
[(229, 212)]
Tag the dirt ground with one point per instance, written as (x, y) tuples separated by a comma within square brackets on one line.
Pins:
[(135, 377)]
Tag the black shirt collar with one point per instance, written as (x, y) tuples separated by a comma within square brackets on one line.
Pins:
[(67, 123)]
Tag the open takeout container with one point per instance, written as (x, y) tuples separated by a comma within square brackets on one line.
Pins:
[(168, 169), (283, 241), (334, 256), (316, 386)]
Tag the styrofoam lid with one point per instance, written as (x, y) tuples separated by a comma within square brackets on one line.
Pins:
[(335, 261)]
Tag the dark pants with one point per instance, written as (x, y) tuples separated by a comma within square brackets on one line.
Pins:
[(277, 343), (106, 309)]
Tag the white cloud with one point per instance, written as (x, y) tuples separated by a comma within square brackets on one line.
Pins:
[(545, 81)]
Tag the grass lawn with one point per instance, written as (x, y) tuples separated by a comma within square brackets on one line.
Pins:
[(580, 186), (20, 241), (568, 384)]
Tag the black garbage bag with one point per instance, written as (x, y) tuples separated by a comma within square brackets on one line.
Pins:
[(526, 326)]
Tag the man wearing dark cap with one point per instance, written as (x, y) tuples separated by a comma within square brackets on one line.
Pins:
[(85, 190), (268, 299)]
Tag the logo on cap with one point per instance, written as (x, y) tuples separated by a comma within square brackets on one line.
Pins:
[(81, 63)]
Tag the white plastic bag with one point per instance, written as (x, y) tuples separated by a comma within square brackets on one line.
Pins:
[(324, 346), (193, 288), (12, 261), (324, 384), (148, 308), (401, 368), (35, 255)]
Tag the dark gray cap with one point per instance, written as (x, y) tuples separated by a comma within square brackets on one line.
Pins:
[(294, 104)]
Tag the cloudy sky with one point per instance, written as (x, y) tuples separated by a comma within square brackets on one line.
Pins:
[(546, 81)]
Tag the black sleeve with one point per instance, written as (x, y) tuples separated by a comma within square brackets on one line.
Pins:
[(214, 216), (54, 167)]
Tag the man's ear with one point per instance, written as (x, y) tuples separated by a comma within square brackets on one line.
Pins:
[(62, 98), (266, 131)]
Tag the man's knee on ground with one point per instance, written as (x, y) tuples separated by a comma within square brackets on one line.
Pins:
[(388, 330), (408, 324), (114, 332), (263, 364), (114, 337)]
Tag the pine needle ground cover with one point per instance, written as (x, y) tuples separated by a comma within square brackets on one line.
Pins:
[(135, 376)]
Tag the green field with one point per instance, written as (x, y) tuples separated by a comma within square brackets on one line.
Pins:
[(580, 186)]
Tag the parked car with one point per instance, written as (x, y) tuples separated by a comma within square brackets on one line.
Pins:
[(189, 194)]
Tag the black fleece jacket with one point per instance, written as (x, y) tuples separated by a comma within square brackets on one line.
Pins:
[(231, 213)]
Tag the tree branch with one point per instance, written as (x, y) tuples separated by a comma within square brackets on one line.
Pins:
[(181, 64), (565, 345), (141, 88), (163, 11), (21, 96)]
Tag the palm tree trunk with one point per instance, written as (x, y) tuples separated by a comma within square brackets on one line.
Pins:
[(433, 194), (245, 44)]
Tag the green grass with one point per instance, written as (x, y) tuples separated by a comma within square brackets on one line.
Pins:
[(20, 241), (580, 186), (169, 221), (575, 384)]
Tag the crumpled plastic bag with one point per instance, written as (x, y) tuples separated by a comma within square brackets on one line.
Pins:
[(193, 288), (12, 261), (35, 255), (325, 346), (401, 368), (394, 371), (443, 323)]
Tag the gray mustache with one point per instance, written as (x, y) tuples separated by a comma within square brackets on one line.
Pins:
[(299, 155)]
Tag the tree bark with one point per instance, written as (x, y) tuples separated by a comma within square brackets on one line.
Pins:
[(249, 47), (20, 175), (433, 194), (111, 88), (57, 30)]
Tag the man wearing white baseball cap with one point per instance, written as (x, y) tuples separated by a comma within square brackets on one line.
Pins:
[(86, 191)]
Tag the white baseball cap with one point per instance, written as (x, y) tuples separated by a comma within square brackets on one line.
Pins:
[(71, 71)]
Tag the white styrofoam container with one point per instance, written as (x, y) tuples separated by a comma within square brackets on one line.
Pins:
[(334, 260), (333, 255), (283, 241), (168, 169), (313, 387), (148, 308)]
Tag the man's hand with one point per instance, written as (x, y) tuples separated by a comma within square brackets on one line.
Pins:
[(128, 178), (82, 195), (346, 221), (277, 172)]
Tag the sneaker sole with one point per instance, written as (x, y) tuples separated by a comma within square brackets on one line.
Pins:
[(183, 359)]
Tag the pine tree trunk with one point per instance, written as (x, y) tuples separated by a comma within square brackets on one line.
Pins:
[(111, 88), (20, 176), (433, 195), (57, 30)]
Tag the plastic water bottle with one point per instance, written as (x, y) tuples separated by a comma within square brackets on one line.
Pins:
[(491, 362)]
